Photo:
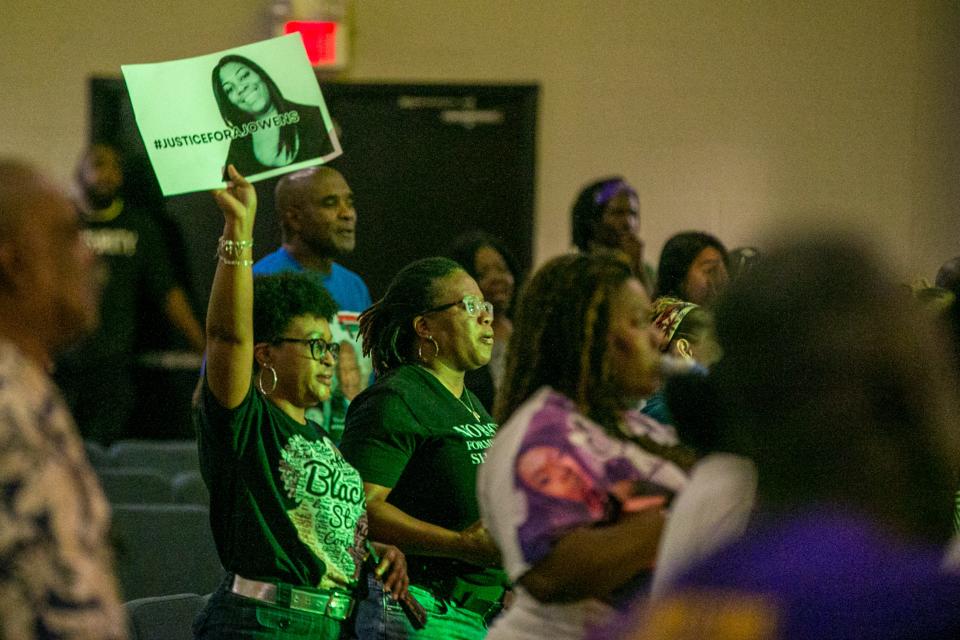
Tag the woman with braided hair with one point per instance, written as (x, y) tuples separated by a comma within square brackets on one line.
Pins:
[(575, 481), (417, 436)]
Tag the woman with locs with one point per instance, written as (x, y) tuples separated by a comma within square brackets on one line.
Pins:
[(417, 436), (287, 511), (575, 482)]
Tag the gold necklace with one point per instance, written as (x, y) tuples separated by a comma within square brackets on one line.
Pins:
[(469, 407)]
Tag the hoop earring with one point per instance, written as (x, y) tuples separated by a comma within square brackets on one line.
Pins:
[(435, 346), (260, 380)]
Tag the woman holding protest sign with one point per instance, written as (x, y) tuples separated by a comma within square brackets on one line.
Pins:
[(268, 130), (288, 513)]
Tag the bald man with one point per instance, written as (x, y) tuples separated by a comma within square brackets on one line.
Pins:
[(318, 226), (56, 578)]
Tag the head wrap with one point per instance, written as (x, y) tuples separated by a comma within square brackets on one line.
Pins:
[(668, 313), (607, 191)]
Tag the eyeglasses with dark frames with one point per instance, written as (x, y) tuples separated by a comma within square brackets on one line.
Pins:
[(318, 346), (473, 305)]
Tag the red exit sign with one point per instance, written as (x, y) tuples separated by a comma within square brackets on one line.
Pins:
[(319, 39)]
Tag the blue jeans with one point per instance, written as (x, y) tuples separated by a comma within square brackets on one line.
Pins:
[(379, 617), (228, 615)]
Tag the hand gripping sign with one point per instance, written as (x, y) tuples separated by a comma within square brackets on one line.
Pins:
[(258, 107)]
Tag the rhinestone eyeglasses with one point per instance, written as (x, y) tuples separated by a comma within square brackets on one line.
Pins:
[(318, 346)]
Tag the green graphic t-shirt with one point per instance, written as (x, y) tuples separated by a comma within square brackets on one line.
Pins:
[(408, 432), (284, 504)]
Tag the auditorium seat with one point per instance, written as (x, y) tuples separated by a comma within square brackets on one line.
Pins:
[(164, 617), (188, 488), (163, 549), (169, 457), (135, 485)]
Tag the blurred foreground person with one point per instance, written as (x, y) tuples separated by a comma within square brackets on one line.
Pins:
[(57, 577), (575, 482), (843, 398)]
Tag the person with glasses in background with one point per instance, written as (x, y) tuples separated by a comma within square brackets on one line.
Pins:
[(288, 513), (418, 436), (490, 263)]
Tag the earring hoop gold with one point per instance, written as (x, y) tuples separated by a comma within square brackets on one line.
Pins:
[(436, 348)]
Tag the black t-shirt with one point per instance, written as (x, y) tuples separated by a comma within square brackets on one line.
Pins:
[(480, 381), (284, 504), (409, 433), (132, 248)]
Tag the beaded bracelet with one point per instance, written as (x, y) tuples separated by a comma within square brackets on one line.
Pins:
[(228, 252)]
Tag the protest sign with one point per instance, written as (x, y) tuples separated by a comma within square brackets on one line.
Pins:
[(258, 107)]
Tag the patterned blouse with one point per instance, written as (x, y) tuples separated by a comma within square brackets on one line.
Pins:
[(56, 568)]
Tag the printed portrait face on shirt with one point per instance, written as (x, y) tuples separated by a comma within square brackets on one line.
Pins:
[(550, 471)]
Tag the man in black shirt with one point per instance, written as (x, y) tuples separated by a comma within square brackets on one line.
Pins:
[(97, 377)]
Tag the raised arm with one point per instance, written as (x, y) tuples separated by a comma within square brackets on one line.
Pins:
[(230, 310)]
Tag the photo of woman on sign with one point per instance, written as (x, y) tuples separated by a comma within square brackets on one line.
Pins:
[(269, 130)]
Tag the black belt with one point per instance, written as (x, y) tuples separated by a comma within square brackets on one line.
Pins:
[(337, 605), (484, 600), (486, 609)]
